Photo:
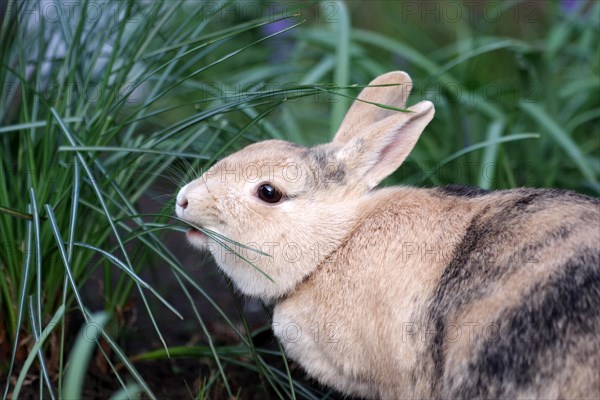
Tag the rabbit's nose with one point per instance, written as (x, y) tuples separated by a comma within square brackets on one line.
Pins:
[(181, 202), (180, 206)]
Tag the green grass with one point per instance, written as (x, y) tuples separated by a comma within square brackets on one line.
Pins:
[(161, 90)]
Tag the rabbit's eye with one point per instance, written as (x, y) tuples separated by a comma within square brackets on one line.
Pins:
[(269, 194)]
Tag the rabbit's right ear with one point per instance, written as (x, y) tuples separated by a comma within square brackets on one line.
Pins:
[(362, 114), (379, 149)]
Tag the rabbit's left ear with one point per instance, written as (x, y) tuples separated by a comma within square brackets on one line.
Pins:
[(379, 149)]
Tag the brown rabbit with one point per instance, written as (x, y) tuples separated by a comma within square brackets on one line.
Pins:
[(401, 292)]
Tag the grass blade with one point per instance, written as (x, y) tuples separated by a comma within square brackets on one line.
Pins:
[(132, 150), (563, 139), (32, 125), (490, 153), (129, 392), (35, 324), (81, 354), (342, 65), (34, 350), (24, 281)]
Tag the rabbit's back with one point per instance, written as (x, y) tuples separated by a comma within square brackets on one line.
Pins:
[(526, 277), (457, 293)]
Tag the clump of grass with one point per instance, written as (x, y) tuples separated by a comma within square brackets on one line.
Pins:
[(91, 116)]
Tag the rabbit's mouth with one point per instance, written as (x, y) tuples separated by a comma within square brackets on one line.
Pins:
[(194, 232)]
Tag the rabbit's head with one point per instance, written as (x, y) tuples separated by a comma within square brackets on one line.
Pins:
[(284, 208)]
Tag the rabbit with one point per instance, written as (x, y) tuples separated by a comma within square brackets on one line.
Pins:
[(402, 292)]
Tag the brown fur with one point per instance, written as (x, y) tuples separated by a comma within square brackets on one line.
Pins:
[(401, 292)]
